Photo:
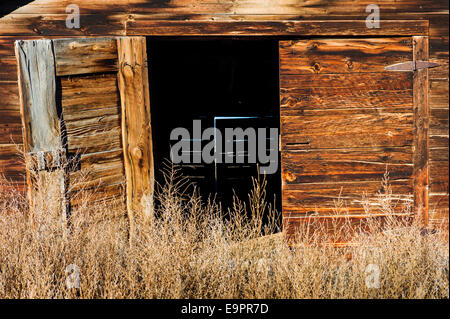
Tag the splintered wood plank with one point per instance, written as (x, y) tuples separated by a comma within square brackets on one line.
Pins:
[(342, 130), (37, 88), (78, 56), (342, 55), (136, 126), (421, 125)]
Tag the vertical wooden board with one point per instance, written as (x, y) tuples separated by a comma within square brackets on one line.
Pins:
[(37, 90), (421, 125), (136, 126)]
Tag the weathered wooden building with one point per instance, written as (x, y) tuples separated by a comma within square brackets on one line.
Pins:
[(343, 117)]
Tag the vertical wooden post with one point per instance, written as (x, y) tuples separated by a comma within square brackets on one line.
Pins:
[(421, 124), (136, 127), (42, 127)]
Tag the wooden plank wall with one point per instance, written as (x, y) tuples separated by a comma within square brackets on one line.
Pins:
[(88, 93), (344, 122), (91, 112), (46, 18)]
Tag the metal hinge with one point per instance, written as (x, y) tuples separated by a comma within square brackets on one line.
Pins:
[(411, 66)]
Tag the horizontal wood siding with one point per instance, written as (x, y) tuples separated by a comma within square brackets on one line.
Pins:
[(339, 149), (46, 18), (91, 113)]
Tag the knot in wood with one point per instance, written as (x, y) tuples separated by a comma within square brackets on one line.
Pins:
[(317, 67), (127, 70), (137, 152), (349, 64)]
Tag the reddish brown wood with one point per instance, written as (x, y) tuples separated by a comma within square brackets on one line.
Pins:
[(421, 125)]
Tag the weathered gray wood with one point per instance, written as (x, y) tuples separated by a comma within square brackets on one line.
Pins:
[(42, 129), (38, 89)]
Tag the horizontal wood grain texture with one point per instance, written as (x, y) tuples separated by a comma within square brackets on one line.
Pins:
[(261, 28), (439, 94), (439, 211), (229, 7), (12, 164), (40, 19), (343, 55), (439, 121), (438, 176), (89, 99), (78, 56), (344, 123), (10, 133), (346, 165), (346, 130), (9, 91), (91, 111), (368, 81), (55, 25), (100, 179), (302, 101), (8, 69), (98, 170), (112, 196), (353, 192)]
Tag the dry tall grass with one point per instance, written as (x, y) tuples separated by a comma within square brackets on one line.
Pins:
[(187, 249)]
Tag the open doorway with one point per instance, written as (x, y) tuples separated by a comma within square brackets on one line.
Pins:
[(217, 83)]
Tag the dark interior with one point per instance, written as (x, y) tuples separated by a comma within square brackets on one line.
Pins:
[(223, 83)]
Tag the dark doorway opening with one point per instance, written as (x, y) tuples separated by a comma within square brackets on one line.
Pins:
[(224, 83)]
